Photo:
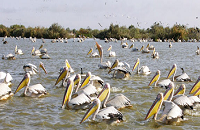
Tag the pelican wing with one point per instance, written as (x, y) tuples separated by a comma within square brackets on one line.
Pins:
[(183, 77), (119, 101), (164, 83), (88, 90), (194, 99), (109, 113), (37, 89), (4, 89), (82, 101), (144, 70), (182, 100)]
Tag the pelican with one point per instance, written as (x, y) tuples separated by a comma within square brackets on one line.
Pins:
[(170, 45), (36, 90), (35, 52), (92, 54), (119, 101), (144, 50), (150, 47), (198, 51), (171, 113), (155, 54), (162, 83), (5, 78), (144, 70), (179, 78), (119, 71), (32, 69), (9, 57), (18, 51), (133, 49), (5, 91), (44, 56), (124, 45), (102, 65), (108, 113), (111, 53)]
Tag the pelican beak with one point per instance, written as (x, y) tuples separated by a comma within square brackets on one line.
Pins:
[(197, 92), (68, 92), (104, 92), (67, 64), (181, 90), (155, 106), (136, 64), (115, 64), (99, 49), (89, 51), (131, 46), (86, 80), (195, 87), (172, 71), (32, 50), (62, 75), (148, 45), (109, 48), (41, 46), (155, 78), (77, 79), (90, 111), (42, 66), (142, 48), (23, 83), (168, 92)]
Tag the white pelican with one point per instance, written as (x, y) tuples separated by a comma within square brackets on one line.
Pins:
[(102, 65), (119, 71), (133, 49), (146, 50), (119, 101), (108, 113), (36, 90), (18, 51), (5, 91), (155, 54), (5, 78), (144, 70), (170, 45), (111, 53), (124, 45), (32, 69), (171, 113), (150, 47), (44, 56), (35, 52), (9, 57), (179, 78), (162, 83), (198, 51), (92, 54)]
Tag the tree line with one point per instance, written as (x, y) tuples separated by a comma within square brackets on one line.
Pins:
[(155, 32)]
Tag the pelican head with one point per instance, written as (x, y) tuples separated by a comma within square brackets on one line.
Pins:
[(68, 92), (104, 94), (99, 49), (94, 108), (115, 64), (42, 66), (69, 66), (136, 64), (90, 51), (25, 81), (195, 86), (33, 49), (62, 75), (172, 71), (155, 78), (86, 80), (155, 107), (169, 92), (181, 90)]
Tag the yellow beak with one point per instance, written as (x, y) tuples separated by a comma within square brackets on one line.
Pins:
[(62, 75), (155, 106), (195, 87), (181, 90), (142, 48), (86, 80), (68, 92), (42, 66), (109, 48), (99, 49), (91, 110), (104, 93), (23, 83), (168, 92), (172, 71), (155, 78), (136, 64), (115, 64), (89, 51)]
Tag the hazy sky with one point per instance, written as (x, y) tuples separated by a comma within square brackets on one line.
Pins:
[(99, 14)]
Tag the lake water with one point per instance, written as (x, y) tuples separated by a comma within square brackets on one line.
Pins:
[(45, 113)]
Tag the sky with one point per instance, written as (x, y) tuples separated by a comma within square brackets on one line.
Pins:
[(99, 14)]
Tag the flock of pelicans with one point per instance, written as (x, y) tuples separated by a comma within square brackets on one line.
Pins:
[(92, 94)]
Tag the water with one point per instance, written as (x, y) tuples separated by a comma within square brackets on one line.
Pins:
[(46, 113)]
